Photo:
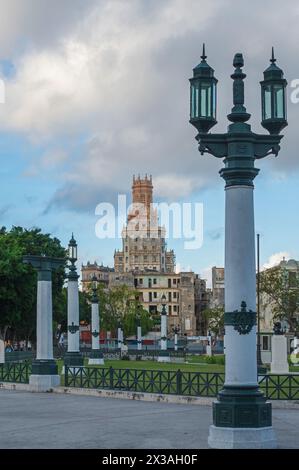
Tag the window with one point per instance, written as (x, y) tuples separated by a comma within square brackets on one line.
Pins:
[(169, 296), (155, 281), (174, 308), (265, 344), (169, 309), (174, 281), (126, 248), (150, 295), (141, 281), (174, 295), (149, 282), (169, 282), (155, 295)]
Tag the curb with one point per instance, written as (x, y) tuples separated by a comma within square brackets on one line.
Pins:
[(139, 396)]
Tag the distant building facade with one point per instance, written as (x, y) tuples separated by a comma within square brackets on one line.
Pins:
[(145, 264), (217, 297)]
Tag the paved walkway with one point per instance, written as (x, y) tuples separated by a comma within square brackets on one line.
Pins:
[(35, 420)]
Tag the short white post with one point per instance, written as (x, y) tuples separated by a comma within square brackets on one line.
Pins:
[(279, 362)]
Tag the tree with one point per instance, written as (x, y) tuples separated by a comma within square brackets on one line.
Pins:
[(215, 319), (18, 282), (121, 305), (281, 289)]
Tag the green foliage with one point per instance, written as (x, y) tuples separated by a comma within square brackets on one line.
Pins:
[(281, 289), (121, 305), (18, 282), (215, 319)]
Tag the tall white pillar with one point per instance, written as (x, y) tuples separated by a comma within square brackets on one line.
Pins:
[(44, 374), (44, 327), (240, 404), (119, 337), (139, 338), (240, 284), (96, 356), (175, 341), (164, 354), (163, 332), (2, 351), (73, 357), (73, 335)]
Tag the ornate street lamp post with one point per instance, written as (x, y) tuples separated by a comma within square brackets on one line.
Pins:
[(73, 357), (139, 332), (96, 356), (241, 416), (163, 354), (120, 336)]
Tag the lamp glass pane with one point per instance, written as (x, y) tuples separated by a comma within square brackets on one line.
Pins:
[(205, 99), (267, 102), (214, 100), (194, 100), (278, 101)]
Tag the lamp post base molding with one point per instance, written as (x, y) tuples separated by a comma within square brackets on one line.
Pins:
[(242, 407), (242, 438), (73, 359), (44, 367), (43, 383)]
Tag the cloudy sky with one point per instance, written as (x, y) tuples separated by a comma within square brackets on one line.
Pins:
[(97, 90)]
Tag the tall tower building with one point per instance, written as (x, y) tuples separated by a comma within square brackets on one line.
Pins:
[(143, 240)]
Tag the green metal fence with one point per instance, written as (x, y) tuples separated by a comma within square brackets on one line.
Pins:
[(17, 372), (18, 356), (148, 381), (199, 384), (280, 387)]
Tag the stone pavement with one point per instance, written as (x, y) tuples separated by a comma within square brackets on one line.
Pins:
[(48, 420)]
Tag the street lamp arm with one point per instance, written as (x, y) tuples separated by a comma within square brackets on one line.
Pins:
[(214, 144), (266, 145)]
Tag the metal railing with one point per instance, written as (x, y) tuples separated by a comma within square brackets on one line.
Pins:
[(17, 356), (199, 384), (280, 387), (17, 372), (148, 381)]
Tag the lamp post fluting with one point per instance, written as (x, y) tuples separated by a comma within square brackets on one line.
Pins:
[(241, 416), (96, 356), (73, 357)]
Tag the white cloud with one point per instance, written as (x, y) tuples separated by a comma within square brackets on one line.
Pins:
[(275, 259), (112, 75)]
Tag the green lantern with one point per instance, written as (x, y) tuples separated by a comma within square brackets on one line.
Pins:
[(203, 96), (273, 98), (72, 250)]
